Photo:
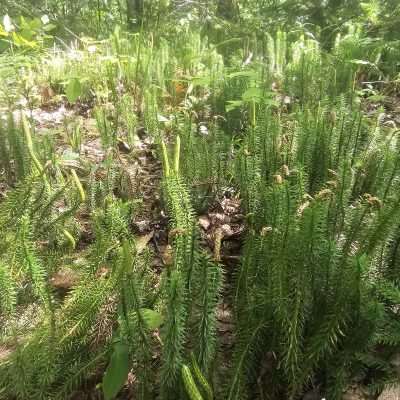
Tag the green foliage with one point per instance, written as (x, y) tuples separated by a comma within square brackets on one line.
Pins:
[(15, 158), (73, 90), (116, 372), (190, 386), (8, 291), (25, 34), (314, 234), (291, 119)]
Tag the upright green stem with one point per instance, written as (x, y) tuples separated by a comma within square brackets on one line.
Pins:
[(165, 158), (177, 154), (29, 143)]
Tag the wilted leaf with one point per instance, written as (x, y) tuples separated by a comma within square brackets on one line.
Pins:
[(124, 146)]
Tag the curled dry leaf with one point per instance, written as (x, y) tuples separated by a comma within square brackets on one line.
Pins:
[(227, 230), (204, 222)]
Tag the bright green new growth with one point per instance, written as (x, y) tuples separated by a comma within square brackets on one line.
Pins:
[(201, 379), (190, 386)]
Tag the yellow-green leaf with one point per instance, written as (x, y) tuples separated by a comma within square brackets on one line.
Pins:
[(152, 318), (74, 90)]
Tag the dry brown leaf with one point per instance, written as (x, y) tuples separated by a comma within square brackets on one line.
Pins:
[(142, 241), (167, 254), (204, 222), (218, 236), (64, 278)]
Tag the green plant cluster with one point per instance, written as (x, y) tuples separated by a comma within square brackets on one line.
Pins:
[(282, 123)]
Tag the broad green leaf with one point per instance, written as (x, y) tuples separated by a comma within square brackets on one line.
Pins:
[(152, 318), (74, 90), (23, 24), (201, 80), (69, 155), (35, 24), (161, 118), (3, 31), (271, 102), (233, 105), (362, 262), (27, 34), (116, 372), (4, 44), (19, 41), (252, 94)]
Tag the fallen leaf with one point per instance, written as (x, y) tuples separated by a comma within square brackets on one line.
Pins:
[(142, 241), (204, 222), (102, 272), (123, 146), (167, 254), (142, 226), (227, 230), (64, 278)]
